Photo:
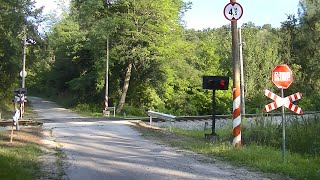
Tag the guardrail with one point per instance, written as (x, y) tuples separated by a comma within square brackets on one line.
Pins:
[(159, 115), (109, 109), (207, 117)]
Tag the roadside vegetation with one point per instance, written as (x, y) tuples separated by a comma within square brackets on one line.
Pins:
[(155, 62), (6, 109), (261, 149), (19, 159)]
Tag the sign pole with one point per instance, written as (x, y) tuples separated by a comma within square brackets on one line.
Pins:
[(23, 81), (283, 129), (23, 84), (213, 132), (236, 85), (243, 111), (282, 77), (233, 12)]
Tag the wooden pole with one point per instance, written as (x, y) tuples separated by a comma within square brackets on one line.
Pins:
[(11, 136), (236, 85)]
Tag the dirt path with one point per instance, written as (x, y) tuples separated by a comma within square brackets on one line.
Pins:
[(114, 150)]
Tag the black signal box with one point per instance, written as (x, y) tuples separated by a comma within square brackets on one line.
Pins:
[(20, 91), (215, 82)]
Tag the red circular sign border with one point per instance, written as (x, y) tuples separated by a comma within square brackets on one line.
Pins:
[(232, 3)]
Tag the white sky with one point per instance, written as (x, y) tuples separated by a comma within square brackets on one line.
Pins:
[(209, 13), (51, 5)]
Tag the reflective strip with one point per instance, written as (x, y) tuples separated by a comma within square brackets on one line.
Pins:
[(236, 121), (236, 140), (271, 106), (106, 103), (236, 115), (236, 103)]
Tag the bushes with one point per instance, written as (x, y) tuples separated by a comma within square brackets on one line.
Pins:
[(262, 132), (302, 134)]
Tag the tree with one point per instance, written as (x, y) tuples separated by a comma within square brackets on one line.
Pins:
[(136, 27), (15, 15), (260, 54)]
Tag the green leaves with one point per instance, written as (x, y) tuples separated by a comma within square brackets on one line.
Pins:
[(155, 63), (13, 17)]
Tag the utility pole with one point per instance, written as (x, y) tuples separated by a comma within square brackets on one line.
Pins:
[(236, 84), (243, 110), (106, 100), (24, 57), (106, 105), (23, 73)]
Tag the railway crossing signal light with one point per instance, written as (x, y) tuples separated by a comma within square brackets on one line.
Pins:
[(215, 82)]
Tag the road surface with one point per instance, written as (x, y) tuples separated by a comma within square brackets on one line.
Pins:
[(112, 150)]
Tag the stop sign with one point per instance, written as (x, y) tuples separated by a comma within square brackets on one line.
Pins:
[(282, 76)]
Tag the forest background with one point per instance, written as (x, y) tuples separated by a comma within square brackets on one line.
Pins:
[(155, 62)]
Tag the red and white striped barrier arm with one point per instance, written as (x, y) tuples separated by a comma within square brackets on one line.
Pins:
[(236, 117)]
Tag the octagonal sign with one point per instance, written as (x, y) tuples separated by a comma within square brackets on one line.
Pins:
[(282, 76)]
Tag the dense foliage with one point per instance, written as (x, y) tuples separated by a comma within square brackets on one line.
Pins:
[(155, 63), (15, 16)]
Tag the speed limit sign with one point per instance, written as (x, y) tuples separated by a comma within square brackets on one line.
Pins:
[(233, 11)]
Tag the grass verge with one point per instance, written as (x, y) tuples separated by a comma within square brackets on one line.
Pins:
[(19, 160), (262, 158)]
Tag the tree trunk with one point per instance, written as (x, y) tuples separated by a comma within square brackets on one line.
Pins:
[(124, 88)]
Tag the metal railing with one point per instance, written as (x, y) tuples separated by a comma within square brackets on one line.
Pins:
[(109, 109), (166, 117)]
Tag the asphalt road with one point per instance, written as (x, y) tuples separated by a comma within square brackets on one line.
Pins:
[(112, 150)]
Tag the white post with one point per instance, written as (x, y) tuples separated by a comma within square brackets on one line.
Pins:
[(106, 103), (150, 120), (24, 57), (243, 111)]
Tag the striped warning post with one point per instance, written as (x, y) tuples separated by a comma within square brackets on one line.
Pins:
[(106, 103), (22, 104), (236, 117)]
